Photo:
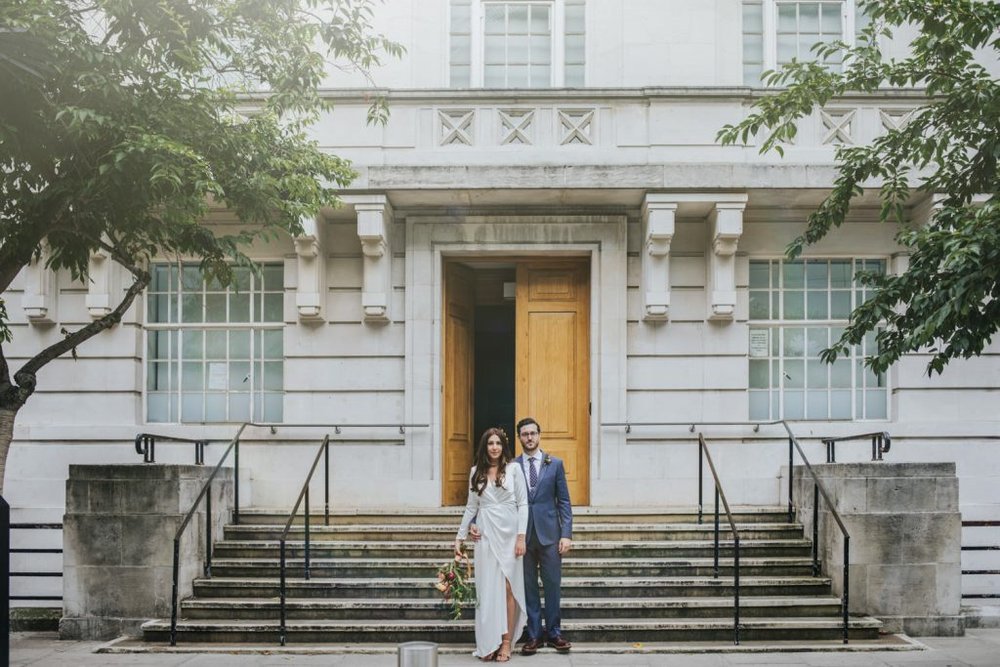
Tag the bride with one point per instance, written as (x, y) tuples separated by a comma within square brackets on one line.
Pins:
[(498, 501)]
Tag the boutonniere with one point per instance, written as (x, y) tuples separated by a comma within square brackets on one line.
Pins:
[(547, 460)]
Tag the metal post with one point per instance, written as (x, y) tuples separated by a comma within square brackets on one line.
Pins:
[(715, 567), (152, 450), (736, 586), (875, 448), (281, 594), (307, 532), (208, 531), (173, 592), (847, 582), (815, 546), (326, 496), (700, 464), (791, 474), (236, 484), (5, 574)]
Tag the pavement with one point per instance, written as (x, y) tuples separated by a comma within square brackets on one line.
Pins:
[(979, 647)]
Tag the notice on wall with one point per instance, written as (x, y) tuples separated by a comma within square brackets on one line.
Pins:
[(759, 342), (218, 377)]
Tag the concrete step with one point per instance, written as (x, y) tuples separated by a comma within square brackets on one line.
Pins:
[(572, 566), (582, 548), (452, 515), (572, 608), (439, 532), (572, 587), (450, 632)]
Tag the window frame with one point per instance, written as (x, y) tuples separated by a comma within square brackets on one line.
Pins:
[(769, 28), (779, 324), (254, 329), (477, 62)]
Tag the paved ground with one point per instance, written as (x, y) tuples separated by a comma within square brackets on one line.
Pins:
[(979, 647)]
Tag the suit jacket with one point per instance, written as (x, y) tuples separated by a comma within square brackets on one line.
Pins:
[(550, 514)]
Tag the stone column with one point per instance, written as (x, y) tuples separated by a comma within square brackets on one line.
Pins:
[(905, 529), (118, 535)]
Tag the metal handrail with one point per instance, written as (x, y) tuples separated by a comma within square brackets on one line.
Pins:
[(145, 444), (818, 490), (704, 455), (881, 443), (324, 450)]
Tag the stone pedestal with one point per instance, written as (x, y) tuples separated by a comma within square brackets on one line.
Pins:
[(118, 535), (905, 528)]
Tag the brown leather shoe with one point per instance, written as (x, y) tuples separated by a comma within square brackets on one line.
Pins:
[(559, 643), (531, 647)]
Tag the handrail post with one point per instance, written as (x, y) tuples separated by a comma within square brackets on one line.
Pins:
[(875, 439), (236, 483), (307, 533), (701, 458), (715, 567), (847, 574), (173, 592), (281, 593), (326, 496), (208, 531), (815, 544), (736, 587), (791, 475)]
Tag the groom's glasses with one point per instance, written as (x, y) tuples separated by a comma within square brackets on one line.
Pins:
[(525, 435)]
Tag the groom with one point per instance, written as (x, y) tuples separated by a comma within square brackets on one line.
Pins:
[(550, 531)]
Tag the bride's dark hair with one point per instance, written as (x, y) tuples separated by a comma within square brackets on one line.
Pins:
[(482, 462)]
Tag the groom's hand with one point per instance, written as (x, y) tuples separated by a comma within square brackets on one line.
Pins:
[(474, 533), (565, 544)]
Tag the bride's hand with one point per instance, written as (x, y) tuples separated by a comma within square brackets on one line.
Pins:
[(458, 549), (519, 547)]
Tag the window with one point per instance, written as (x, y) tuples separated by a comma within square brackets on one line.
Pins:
[(214, 354), (517, 43), (797, 309), (776, 31)]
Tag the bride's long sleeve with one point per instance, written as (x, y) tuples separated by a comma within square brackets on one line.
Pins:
[(520, 497), (471, 509)]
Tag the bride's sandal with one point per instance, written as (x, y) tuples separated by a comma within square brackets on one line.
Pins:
[(492, 657), (503, 653)]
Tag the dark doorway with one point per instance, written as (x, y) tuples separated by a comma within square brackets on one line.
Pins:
[(494, 401)]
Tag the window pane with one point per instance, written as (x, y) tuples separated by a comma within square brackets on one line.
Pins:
[(759, 404), (241, 279), (816, 274), (239, 376), (793, 275), (574, 76), (517, 49), (751, 74), (158, 309), (272, 344), (794, 373), (493, 76), (794, 340), (758, 374), (191, 305), (840, 404), (160, 281), (272, 407), (840, 373), (239, 407), (192, 376), (786, 17), (758, 305), (817, 306), (239, 307), (517, 19), (786, 48), (461, 49), (840, 274), (817, 407), (495, 20), (215, 407), (191, 342), (215, 344), (794, 408), (816, 374), (759, 275), (461, 76), (193, 407), (273, 306), (274, 376), (158, 378), (840, 304), (753, 19), (574, 49), (541, 51), (191, 279), (574, 19), (830, 23), (158, 408), (809, 17), (793, 305), (239, 344), (494, 50), (517, 76), (539, 19), (753, 48), (215, 308), (541, 76), (875, 407), (816, 340)]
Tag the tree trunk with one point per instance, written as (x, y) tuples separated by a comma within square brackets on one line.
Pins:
[(6, 435)]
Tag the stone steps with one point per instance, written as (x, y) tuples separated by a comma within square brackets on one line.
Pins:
[(572, 566), (450, 632), (575, 608), (642, 576)]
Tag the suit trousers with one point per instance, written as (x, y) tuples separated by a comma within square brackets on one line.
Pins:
[(544, 561)]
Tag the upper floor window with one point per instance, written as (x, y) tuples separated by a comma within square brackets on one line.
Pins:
[(776, 31), (517, 43), (214, 353)]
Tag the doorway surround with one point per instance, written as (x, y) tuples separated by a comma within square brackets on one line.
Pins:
[(431, 239)]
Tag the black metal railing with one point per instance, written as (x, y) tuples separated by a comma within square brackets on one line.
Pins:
[(145, 444), (5, 574), (818, 491), (324, 451), (881, 442), (37, 563), (703, 455)]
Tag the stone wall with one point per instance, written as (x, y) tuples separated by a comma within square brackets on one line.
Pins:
[(119, 529), (905, 529)]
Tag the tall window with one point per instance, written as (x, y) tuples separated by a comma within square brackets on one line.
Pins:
[(517, 43), (797, 309), (776, 31), (214, 354)]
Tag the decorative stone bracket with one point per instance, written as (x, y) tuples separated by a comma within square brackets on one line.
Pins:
[(41, 291), (374, 220), (658, 214), (725, 229), (311, 271), (104, 284)]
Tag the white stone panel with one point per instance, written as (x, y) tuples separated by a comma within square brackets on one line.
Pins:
[(344, 374), (695, 373), (688, 405), (90, 374), (344, 339), (353, 407), (687, 338)]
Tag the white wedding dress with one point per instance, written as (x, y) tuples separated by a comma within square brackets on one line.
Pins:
[(501, 513)]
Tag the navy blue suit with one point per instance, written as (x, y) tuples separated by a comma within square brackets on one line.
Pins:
[(550, 518)]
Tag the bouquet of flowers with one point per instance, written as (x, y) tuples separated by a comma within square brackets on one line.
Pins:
[(454, 580)]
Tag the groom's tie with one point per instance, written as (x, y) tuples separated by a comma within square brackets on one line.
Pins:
[(532, 473)]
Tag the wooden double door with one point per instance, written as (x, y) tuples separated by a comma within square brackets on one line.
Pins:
[(551, 367)]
